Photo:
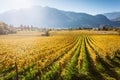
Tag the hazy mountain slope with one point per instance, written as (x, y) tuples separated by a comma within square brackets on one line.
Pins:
[(112, 15), (51, 17), (116, 19)]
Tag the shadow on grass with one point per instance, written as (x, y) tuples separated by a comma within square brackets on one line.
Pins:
[(93, 71), (109, 71), (113, 62), (106, 66)]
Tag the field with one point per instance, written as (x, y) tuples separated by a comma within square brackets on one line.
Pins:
[(64, 55)]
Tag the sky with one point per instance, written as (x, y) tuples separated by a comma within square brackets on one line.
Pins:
[(85, 6)]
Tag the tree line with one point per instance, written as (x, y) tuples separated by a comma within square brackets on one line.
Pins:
[(9, 29), (27, 28), (6, 29)]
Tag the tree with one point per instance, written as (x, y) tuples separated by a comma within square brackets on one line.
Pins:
[(6, 29)]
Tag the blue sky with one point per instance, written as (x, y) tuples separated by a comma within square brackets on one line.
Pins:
[(86, 6)]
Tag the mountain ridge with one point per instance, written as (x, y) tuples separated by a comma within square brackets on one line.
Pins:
[(54, 18)]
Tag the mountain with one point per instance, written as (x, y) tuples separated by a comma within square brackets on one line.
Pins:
[(112, 15), (116, 19), (53, 18)]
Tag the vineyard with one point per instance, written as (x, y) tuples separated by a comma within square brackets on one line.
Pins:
[(64, 55)]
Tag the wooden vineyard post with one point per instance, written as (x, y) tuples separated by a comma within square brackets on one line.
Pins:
[(16, 68)]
